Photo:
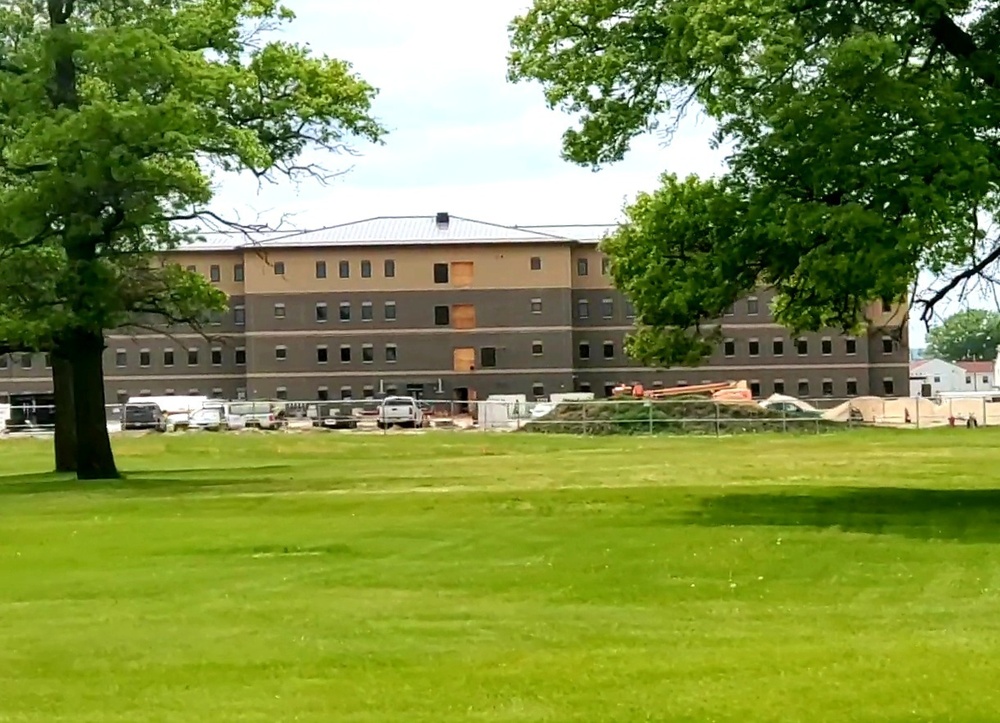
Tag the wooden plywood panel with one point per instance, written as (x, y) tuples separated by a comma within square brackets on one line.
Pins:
[(463, 316), (464, 360), (461, 273)]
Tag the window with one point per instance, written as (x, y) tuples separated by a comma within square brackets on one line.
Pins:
[(827, 387), (389, 268), (192, 357), (968, 379), (629, 310), (753, 347), (345, 269), (609, 389), (888, 386), (851, 345), (367, 392), (609, 350), (826, 346), (753, 307), (585, 387), (852, 387), (731, 311), (240, 356), (390, 311), (538, 389), (779, 386), (322, 394), (886, 306), (345, 353), (442, 316), (238, 272), (778, 348), (582, 267), (391, 353), (440, 273), (346, 393), (216, 357), (217, 393), (367, 353), (121, 358), (241, 392), (239, 315), (536, 263), (537, 349), (215, 317), (367, 311), (803, 387), (887, 345), (47, 357), (536, 306), (729, 347), (366, 269), (583, 309), (986, 379), (214, 273), (168, 357), (488, 357), (322, 312), (280, 353), (3, 361), (192, 268), (605, 265), (322, 355), (584, 350), (279, 268), (321, 269), (279, 311), (281, 393), (122, 395), (345, 311), (802, 346), (755, 389), (144, 358), (608, 308)]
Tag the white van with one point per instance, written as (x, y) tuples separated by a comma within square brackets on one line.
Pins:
[(254, 415)]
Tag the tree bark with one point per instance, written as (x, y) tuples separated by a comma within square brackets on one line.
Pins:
[(62, 389), (94, 457)]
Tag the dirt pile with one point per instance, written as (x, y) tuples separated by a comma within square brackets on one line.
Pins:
[(680, 415)]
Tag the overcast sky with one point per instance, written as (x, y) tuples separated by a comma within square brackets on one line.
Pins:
[(461, 138)]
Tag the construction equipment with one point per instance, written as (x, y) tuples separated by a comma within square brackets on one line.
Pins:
[(718, 391)]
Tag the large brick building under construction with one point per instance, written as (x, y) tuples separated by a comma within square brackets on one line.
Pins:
[(446, 307)]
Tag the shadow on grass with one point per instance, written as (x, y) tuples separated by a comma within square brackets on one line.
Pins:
[(969, 516), (176, 481)]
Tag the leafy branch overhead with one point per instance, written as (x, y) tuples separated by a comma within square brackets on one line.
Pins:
[(115, 115), (861, 137)]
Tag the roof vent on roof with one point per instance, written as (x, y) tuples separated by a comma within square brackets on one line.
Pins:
[(443, 219)]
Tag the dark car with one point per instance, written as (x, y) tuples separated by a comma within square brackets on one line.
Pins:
[(147, 415), (330, 417)]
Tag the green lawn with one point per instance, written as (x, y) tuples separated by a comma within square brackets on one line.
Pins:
[(481, 577)]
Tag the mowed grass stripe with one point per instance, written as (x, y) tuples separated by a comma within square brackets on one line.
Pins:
[(504, 578)]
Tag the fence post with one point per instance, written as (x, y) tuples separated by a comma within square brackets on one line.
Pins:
[(649, 413), (916, 416), (984, 412), (718, 421), (784, 419), (583, 417)]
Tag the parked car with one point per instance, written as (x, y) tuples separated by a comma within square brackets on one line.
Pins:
[(210, 418), (254, 415), (143, 415), (326, 416), (402, 411)]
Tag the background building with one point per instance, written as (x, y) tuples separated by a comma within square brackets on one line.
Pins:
[(447, 307)]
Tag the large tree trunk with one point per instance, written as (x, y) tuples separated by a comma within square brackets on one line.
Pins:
[(62, 389), (94, 458)]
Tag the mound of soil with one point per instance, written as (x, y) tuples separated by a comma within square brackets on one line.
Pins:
[(680, 415)]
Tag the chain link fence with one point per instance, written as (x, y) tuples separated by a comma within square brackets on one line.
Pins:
[(581, 417)]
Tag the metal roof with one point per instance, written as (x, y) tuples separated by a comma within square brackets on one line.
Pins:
[(576, 232), (403, 230)]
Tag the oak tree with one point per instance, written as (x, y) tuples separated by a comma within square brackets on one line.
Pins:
[(861, 140), (113, 116), (972, 334)]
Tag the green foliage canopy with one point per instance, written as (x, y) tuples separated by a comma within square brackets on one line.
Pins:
[(862, 142), (969, 334)]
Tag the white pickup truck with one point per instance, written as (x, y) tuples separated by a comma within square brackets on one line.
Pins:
[(402, 411)]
